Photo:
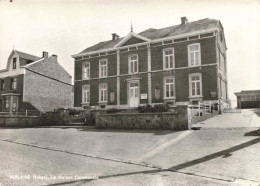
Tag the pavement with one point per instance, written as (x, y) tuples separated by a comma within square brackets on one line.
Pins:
[(219, 154)]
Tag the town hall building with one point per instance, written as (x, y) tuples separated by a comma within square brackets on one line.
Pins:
[(178, 65)]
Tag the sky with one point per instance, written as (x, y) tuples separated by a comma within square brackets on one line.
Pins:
[(66, 27)]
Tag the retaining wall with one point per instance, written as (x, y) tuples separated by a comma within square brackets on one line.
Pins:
[(177, 120), (22, 121)]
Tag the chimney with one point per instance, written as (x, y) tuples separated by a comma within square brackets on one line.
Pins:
[(45, 55), (55, 57), (115, 36), (184, 20)]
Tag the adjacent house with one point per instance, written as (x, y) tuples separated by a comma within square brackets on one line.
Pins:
[(34, 83), (248, 99), (178, 65)]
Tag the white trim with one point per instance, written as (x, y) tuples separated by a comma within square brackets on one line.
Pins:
[(99, 91), (131, 34), (164, 87), (135, 63), (85, 88), (32, 63), (173, 55), (151, 41), (180, 68), (190, 86), (101, 60), (87, 72), (199, 51)]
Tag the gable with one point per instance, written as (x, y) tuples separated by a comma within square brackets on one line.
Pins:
[(133, 40)]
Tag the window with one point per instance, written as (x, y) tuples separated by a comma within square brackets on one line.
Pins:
[(195, 85), (6, 102), (168, 58), (103, 93), (85, 94), (2, 85), (86, 70), (133, 64), (103, 68), (14, 63), (194, 54), (13, 83), (169, 87)]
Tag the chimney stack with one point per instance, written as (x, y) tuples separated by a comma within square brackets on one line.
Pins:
[(55, 57), (45, 55), (184, 20), (115, 36)]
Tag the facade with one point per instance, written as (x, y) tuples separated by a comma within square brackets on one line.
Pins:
[(179, 65), (248, 99), (34, 83)]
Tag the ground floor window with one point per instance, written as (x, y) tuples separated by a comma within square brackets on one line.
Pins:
[(169, 87), (7, 102), (195, 85), (103, 92), (85, 94)]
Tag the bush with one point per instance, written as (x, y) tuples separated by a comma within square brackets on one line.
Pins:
[(74, 112), (155, 108), (89, 120)]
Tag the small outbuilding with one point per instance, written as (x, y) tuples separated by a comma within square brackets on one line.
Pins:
[(248, 99)]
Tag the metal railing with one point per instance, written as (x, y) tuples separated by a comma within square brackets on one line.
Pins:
[(201, 108), (22, 113)]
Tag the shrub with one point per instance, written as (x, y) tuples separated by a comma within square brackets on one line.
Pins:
[(74, 112), (89, 119), (155, 108)]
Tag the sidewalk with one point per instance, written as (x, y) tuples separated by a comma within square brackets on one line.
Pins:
[(247, 118)]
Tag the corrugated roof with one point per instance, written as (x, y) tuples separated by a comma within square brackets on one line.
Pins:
[(27, 56), (152, 33)]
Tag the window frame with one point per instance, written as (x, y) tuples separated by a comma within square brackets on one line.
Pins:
[(135, 64), (2, 85), (87, 71), (14, 63), (164, 87), (100, 67), (101, 90), (189, 54), (190, 85), (164, 61), (12, 81), (86, 88)]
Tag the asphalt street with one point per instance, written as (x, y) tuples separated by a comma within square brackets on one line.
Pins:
[(82, 156)]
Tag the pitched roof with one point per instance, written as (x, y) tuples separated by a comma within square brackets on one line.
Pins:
[(27, 56), (152, 33)]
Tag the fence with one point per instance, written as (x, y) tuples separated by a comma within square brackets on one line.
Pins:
[(22, 113), (201, 108)]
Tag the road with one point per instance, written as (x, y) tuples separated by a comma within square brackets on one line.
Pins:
[(83, 156)]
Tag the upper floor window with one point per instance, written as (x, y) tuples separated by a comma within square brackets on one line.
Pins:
[(103, 68), (168, 58), (13, 83), (85, 94), (133, 64), (103, 93), (2, 84), (194, 54), (14, 63), (169, 87), (195, 85), (86, 70)]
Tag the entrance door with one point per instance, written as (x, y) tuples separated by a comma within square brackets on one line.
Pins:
[(133, 94)]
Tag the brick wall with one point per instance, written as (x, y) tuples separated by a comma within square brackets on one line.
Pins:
[(45, 94)]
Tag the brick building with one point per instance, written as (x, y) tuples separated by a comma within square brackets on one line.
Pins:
[(34, 83), (178, 65), (248, 99)]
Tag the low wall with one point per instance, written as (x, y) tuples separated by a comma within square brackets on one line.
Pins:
[(205, 116), (21, 121), (177, 120)]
